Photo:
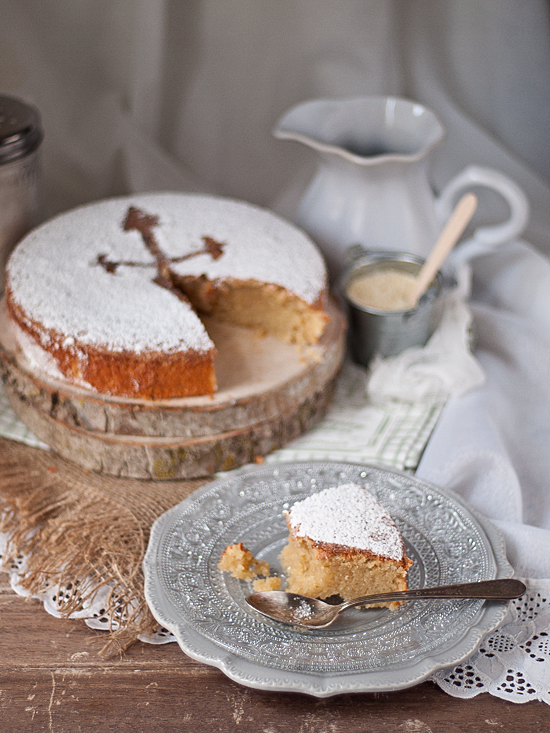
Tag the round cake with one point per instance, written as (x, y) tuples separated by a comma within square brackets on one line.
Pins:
[(108, 296)]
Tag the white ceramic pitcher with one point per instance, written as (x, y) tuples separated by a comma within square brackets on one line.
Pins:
[(372, 187)]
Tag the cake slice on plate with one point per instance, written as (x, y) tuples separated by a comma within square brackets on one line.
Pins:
[(343, 542)]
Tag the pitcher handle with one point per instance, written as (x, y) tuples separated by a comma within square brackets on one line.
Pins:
[(485, 238)]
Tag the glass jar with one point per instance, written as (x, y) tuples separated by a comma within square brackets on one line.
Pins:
[(20, 206)]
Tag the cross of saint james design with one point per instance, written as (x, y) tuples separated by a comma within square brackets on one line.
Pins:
[(139, 221)]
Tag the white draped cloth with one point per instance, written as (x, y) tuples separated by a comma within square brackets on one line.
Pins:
[(141, 95)]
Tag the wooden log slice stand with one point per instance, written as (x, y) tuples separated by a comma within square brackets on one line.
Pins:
[(268, 394)]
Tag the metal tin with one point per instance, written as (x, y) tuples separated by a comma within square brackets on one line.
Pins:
[(20, 129), (387, 333), (20, 206)]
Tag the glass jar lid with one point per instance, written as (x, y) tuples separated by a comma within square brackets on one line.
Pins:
[(20, 129)]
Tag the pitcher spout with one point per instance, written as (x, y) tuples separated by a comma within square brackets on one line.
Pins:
[(363, 130)]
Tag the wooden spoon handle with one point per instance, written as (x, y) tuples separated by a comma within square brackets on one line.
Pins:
[(457, 223)]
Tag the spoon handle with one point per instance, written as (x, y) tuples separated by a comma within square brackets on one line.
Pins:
[(496, 590), (452, 230)]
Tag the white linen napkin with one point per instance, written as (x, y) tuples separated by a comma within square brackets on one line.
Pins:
[(492, 445)]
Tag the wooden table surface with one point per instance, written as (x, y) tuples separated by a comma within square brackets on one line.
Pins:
[(51, 679)]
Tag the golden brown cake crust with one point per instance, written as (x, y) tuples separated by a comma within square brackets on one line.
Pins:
[(327, 551), (151, 375)]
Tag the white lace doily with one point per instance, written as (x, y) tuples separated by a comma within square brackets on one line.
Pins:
[(92, 611), (512, 663)]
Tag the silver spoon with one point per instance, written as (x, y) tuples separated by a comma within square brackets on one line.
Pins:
[(311, 613)]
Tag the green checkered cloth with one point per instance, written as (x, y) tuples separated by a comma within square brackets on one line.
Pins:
[(360, 430), (392, 433)]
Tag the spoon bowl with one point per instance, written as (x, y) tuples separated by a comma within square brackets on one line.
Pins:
[(311, 613)]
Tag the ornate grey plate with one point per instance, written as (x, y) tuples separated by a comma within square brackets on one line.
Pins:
[(365, 650)]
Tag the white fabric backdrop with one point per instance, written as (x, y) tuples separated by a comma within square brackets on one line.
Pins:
[(168, 94), (149, 94)]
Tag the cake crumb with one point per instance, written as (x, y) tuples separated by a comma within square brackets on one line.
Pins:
[(309, 354), (303, 610), (271, 583), (241, 563)]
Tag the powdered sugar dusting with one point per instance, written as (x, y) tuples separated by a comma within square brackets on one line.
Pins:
[(258, 245), (303, 610), (347, 515), (56, 279)]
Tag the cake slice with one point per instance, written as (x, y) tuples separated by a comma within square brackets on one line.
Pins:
[(343, 542)]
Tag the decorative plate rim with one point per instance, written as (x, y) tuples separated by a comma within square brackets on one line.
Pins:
[(258, 676)]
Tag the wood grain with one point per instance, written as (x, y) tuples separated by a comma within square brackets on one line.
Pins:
[(51, 679), (270, 393)]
